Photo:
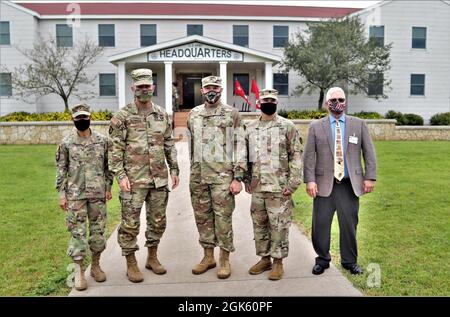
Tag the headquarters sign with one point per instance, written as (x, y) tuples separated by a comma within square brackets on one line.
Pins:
[(195, 52)]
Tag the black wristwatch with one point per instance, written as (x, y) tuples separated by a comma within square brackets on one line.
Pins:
[(239, 179)]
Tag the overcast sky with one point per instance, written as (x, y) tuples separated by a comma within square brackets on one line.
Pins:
[(329, 3)]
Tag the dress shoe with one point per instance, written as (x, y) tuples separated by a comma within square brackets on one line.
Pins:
[(354, 269), (319, 269)]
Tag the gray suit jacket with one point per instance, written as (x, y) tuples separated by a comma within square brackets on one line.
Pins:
[(318, 155)]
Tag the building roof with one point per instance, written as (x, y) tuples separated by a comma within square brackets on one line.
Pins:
[(177, 9)]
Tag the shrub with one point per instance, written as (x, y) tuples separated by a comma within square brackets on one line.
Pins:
[(308, 114), (283, 113), (404, 119), (367, 115), (440, 119), (412, 119), (102, 115), (391, 114)]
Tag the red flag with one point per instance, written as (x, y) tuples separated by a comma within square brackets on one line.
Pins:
[(238, 90), (255, 90)]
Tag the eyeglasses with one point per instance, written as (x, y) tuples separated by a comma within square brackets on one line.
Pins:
[(338, 99)]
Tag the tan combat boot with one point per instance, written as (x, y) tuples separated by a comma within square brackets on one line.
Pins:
[(206, 263), (264, 264), (80, 280), (133, 273), (152, 261), (277, 270), (224, 264), (96, 270)]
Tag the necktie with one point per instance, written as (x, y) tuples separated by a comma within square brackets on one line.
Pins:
[(338, 154)]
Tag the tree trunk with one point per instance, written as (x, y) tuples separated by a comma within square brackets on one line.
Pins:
[(321, 97), (66, 104)]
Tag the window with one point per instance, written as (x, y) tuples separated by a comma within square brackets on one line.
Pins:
[(194, 29), (106, 36), (107, 84), (280, 35), (148, 34), (419, 37), (4, 33), (417, 85), (5, 84), (376, 81), (240, 35), (243, 79), (64, 37), (376, 34), (281, 83), (155, 82)]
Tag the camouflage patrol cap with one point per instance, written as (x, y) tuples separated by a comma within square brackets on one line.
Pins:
[(80, 109), (268, 93), (142, 76), (212, 80)]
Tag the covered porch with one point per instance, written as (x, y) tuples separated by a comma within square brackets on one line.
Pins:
[(185, 61)]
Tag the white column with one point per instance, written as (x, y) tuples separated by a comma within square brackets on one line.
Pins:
[(168, 86), (122, 85), (259, 78), (223, 75), (269, 75)]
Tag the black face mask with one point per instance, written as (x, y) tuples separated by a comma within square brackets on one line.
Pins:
[(212, 97), (269, 108), (82, 125)]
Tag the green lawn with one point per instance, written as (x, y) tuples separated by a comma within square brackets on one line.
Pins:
[(33, 235), (404, 226)]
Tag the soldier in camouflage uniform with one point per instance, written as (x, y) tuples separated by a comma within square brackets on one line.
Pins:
[(274, 173), (141, 137), (84, 184), (217, 168)]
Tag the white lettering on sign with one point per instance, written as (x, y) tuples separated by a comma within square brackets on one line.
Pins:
[(195, 52)]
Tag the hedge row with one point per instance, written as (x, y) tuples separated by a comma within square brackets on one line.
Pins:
[(402, 119), (102, 115), (105, 115), (317, 114)]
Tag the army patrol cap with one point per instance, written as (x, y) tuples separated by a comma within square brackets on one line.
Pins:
[(142, 76), (80, 109), (212, 80), (268, 93)]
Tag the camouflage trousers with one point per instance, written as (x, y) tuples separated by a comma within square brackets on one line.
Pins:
[(78, 213), (271, 215), (155, 207), (213, 206)]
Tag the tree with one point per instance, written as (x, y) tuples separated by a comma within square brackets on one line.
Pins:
[(55, 70), (329, 53)]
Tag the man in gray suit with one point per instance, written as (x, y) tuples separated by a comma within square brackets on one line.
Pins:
[(335, 178)]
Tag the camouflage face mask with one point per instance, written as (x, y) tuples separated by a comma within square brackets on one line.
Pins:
[(143, 95), (212, 96)]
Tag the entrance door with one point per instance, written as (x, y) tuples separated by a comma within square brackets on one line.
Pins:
[(192, 84)]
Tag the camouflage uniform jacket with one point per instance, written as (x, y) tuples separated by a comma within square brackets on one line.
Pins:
[(141, 145), (280, 165), (82, 167), (218, 131)]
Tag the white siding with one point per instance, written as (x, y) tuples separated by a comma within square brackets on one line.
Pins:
[(23, 28), (398, 18)]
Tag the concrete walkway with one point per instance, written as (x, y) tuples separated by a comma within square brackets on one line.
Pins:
[(179, 250)]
